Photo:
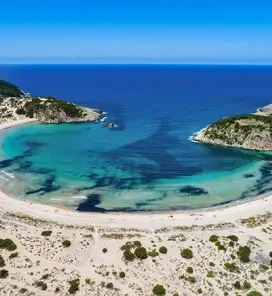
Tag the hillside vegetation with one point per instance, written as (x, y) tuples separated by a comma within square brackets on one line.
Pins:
[(249, 131), (15, 105), (9, 90)]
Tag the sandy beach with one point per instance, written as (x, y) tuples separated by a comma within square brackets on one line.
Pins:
[(63, 252)]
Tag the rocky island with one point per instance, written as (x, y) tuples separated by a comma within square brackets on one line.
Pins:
[(247, 131), (16, 105)]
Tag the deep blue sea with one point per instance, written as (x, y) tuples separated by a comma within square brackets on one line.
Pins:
[(148, 162)]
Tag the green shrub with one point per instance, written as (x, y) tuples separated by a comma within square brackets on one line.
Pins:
[(57, 290), (232, 267), (176, 294), (246, 285), (270, 254), (3, 273), (186, 253), (22, 290), (231, 244), (222, 248), (163, 250), (214, 238), (153, 253), (122, 274), (199, 291), (2, 261), (13, 255), (127, 246), (141, 253), (263, 267), (74, 286), (254, 293), (104, 250), (46, 233), (243, 254), (210, 274), (7, 244), (191, 279), (20, 111), (237, 285), (189, 269), (66, 243), (128, 255), (233, 238), (137, 244), (45, 276), (88, 281), (109, 285), (233, 256), (42, 285), (212, 264), (159, 290)]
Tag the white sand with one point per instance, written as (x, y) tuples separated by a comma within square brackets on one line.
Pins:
[(23, 221)]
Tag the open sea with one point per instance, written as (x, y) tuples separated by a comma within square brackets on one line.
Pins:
[(148, 162)]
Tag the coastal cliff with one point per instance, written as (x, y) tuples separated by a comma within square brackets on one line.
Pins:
[(17, 105), (247, 131)]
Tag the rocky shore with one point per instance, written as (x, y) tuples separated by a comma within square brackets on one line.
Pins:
[(247, 131), (16, 105)]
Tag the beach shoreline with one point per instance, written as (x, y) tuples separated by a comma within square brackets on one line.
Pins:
[(57, 246), (20, 205)]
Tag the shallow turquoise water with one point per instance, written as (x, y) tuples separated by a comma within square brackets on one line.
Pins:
[(148, 162)]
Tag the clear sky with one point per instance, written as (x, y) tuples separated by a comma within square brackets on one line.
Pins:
[(183, 31)]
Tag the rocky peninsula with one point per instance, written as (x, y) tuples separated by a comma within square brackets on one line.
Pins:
[(16, 105), (247, 131)]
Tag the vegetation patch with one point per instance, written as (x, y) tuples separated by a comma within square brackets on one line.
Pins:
[(213, 238), (74, 286), (141, 253), (13, 255), (9, 90), (128, 255), (244, 253), (163, 250), (46, 233), (66, 243), (2, 261), (254, 293), (3, 273), (153, 253), (42, 285), (233, 238), (232, 267), (186, 253), (7, 244), (257, 220), (159, 290)]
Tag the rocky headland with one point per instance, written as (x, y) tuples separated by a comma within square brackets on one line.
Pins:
[(16, 105), (247, 131)]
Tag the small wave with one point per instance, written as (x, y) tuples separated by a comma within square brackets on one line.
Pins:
[(191, 139), (8, 174), (104, 113), (79, 197), (103, 119), (1, 177)]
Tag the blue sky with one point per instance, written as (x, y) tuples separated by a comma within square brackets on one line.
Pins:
[(184, 31)]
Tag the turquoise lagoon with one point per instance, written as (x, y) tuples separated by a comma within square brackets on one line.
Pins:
[(148, 162)]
